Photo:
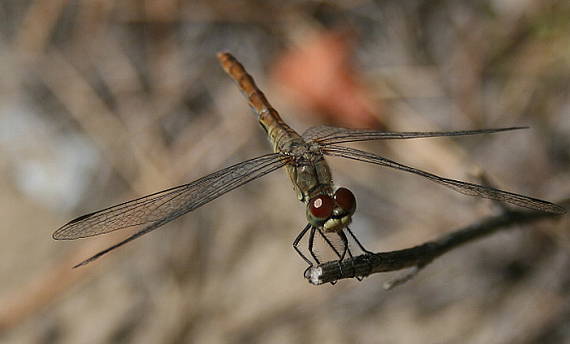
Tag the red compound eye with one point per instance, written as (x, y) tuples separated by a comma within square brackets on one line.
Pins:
[(345, 199), (321, 206)]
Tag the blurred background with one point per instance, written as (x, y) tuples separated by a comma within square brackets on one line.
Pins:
[(103, 101)]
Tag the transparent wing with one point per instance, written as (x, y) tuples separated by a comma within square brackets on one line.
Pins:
[(459, 186), (165, 206), (326, 135)]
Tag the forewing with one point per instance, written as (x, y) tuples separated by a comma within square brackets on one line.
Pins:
[(459, 186), (165, 206), (326, 135)]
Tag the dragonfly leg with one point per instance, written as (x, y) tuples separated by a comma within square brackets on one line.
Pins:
[(360, 278), (358, 242), (347, 250), (311, 244), (340, 256), (327, 240), (296, 244)]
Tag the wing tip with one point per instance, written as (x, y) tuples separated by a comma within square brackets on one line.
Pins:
[(85, 262), (59, 234), (558, 210), (517, 128), (62, 233), (80, 218)]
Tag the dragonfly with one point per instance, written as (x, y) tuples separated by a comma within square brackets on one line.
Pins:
[(329, 210)]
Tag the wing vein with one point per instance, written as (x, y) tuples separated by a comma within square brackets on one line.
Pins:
[(326, 135), (171, 203), (456, 185)]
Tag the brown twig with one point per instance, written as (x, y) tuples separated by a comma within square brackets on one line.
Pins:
[(418, 256)]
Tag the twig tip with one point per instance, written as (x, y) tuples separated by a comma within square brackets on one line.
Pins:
[(313, 274)]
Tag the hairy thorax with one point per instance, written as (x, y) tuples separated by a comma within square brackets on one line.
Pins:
[(309, 172)]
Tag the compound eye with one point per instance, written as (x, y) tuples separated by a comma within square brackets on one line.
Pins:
[(345, 199), (321, 207)]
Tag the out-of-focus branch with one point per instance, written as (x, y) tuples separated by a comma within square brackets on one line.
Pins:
[(419, 256)]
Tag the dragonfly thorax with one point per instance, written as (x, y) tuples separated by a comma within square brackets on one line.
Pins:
[(308, 170), (332, 213)]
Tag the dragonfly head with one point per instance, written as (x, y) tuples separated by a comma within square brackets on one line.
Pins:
[(332, 213)]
